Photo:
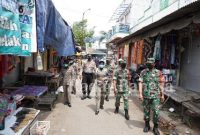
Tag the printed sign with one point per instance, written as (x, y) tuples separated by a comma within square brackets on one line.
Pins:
[(10, 34), (26, 8), (16, 26)]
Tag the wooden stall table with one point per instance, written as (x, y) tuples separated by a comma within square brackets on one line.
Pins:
[(190, 109), (37, 77), (30, 91), (11, 120)]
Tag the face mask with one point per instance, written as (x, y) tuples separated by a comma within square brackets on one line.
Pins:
[(65, 66), (123, 65), (150, 66), (101, 66)]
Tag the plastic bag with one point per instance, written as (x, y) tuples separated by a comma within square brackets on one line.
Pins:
[(39, 62), (60, 89)]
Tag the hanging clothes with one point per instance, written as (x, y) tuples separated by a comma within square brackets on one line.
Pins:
[(173, 50), (140, 57), (134, 56), (148, 49), (157, 49)]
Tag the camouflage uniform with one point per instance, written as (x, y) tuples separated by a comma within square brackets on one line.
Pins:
[(121, 77), (109, 81), (100, 88), (66, 81), (151, 92)]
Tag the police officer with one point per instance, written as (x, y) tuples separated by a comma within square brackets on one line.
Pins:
[(110, 78), (89, 71), (66, 82), (121, 87), (151, 87), (101, 86)]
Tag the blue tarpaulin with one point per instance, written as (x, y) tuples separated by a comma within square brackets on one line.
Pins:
[(52, 30)]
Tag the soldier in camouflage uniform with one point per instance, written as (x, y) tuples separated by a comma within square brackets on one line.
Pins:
[(101, 86), (121, 87), (151, 87), (110, 78)]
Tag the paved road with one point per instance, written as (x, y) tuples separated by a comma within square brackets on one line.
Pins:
[(81, 119)]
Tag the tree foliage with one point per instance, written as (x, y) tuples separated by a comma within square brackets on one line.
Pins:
[(81, 32)]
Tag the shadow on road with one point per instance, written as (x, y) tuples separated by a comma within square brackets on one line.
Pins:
[(134, 123), (112, 110), (92, 107)]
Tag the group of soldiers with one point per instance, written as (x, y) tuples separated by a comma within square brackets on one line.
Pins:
[(151, 86)]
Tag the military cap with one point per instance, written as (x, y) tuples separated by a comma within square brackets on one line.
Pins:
[(120, 60), (150, 60)]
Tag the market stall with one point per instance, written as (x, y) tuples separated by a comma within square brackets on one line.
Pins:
[(20, 121), (37, 77), (31, 91)]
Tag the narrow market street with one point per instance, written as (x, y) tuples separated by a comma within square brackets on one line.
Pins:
[(146, 51), (80, 119)]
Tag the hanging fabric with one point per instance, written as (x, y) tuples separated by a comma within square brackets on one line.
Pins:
[(140, 58), (134, 57), (173, 50), (157, 49)]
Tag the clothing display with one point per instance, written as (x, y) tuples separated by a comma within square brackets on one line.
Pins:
[(148, 49), (157, 48), (137, 56)]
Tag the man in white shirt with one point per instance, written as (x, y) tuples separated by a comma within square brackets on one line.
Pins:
[(89, 70)]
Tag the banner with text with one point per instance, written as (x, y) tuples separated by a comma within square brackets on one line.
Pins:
[(26, 8), (16, 21), (10, 34)]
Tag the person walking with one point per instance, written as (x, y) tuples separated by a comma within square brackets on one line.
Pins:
[(121, 87), (66, 81), (89, 70), (100, 86), (151, 88), (74, 76), (110, 78)]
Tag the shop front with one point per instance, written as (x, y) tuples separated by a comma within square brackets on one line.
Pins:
[(189, 62), (31, 60), (174, 43)]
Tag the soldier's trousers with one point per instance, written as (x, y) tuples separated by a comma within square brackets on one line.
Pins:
[(151, 105), (87, 83), (108, 86), (67, 95), (99, 95), (74, 85), (125, 98)]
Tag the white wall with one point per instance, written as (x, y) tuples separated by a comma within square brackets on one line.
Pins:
[(101, 46), (136, 12), (146, 12)]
